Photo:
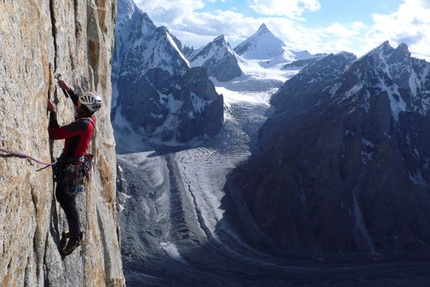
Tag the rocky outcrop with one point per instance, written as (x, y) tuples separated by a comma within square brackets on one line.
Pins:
[(343, 172), (39, 39), (219, 60), (202, 111)]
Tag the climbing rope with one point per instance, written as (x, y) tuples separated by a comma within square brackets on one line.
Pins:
[(18, 154), (87, 214)]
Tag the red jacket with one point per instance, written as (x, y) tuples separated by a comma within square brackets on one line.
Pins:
[(77, 134)]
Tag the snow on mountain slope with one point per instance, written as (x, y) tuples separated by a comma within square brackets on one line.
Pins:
[(262, 45), (218, 58), (199, 56), (269, 51)]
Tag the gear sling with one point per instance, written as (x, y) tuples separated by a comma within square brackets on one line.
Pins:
[(73, 174)]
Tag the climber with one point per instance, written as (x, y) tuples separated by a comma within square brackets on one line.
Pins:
[(72, 164)]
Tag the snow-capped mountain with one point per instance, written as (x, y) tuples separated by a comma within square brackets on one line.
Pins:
[(263, 45), (154, 88), (344, 166), (141, 46), (218, 58)]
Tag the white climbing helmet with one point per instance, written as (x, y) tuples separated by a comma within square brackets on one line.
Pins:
[(91, 100)]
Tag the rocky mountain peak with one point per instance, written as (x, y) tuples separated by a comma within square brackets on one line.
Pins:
[(400, 54), (149, 73), (220, 40), (126, 8), (346, 142), (261, 45), (383, 51), (263, 29), (218, 58), (321, 75)]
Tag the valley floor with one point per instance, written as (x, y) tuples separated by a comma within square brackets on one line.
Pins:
[(175, 234)]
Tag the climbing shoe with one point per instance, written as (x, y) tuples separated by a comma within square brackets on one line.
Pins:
[(63, 240), (72, 244)]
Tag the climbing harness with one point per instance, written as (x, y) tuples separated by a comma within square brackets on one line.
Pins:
[(22, 155), (73, 173)]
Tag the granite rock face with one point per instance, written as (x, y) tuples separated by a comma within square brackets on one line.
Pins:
[(39, 39)]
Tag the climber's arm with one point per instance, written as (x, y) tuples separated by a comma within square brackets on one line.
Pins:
[(73, 129), (69, 90), (53, 123), (68, 131)]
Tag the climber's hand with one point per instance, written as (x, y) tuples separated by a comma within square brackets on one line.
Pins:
[(63, 85), (51, 106)]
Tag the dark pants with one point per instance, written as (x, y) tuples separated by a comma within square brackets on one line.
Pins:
[(68, 203)]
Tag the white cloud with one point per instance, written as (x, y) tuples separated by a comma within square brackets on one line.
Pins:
[(167, 12), (409, 25), (344, 31), (289, 8), (199, 29), (195, 28)]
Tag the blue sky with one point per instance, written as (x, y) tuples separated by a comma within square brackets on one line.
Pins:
[(346, 11), (319, 26)]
